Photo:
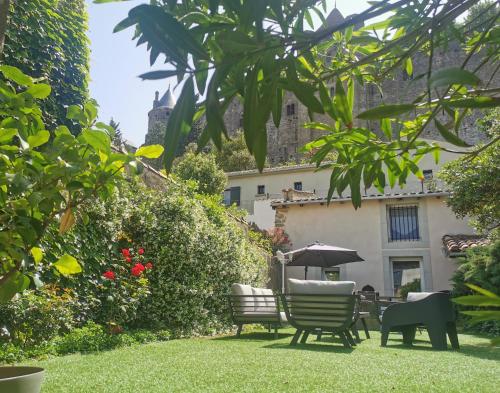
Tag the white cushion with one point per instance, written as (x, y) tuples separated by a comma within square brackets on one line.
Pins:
[(246, 302), (414, 296), (314, 287), (264, 304)]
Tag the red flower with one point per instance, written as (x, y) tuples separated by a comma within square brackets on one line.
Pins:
[(110, 275), (141, 251), (125, 252), (128, 259), (149, 265), (137, 269)]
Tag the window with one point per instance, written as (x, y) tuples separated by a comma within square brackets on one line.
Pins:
[(261, 189), (232, 196), (403, 223), (297, 186), (332, 274), (427, 174), (290, 109), (406, 274)]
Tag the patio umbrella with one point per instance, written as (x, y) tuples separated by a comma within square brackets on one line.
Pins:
[(321, 255)]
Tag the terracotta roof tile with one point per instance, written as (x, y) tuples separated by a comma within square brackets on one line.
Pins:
[(460, 243)]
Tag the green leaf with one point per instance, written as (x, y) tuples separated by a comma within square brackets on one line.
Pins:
[(99, 140), (385, 125), (16, 75), (150, 151), (476, 102), (16, 283), (385, 111), (6, 134), (40, 90), (153, 75), (180, 122), (123, 24), (342, 104), (409, 66), (67, 265), (451, 76), (448, 135), (477, 300), (37, 254), (482, 291), (40, 138)]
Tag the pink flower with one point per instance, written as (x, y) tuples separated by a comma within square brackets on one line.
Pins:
[(125, 252), (141, 251), (149, 265)]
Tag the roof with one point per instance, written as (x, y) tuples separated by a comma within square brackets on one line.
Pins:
[(323, 200), (274, 169), (456, 245), (168, 99), (334, 18)]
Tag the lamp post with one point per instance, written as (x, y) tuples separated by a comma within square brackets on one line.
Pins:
[(281, 259)]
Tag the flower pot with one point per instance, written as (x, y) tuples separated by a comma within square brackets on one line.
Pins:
[(21, 379)]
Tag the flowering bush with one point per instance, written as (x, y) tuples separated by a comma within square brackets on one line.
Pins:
[(124, 285)]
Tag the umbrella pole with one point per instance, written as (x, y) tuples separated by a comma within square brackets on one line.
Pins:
[(306, 273)]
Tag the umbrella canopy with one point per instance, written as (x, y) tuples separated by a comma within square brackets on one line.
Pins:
[(322, 255)]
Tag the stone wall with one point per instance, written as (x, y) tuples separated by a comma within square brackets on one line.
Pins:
[(284, 142)]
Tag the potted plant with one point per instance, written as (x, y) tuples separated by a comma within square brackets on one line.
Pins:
[(21, 379)]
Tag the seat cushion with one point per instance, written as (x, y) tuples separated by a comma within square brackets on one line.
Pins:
[(264, 300), (244, 302), (314, 287), (414, 296)]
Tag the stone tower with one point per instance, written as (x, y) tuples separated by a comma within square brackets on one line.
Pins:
[(157, 121)]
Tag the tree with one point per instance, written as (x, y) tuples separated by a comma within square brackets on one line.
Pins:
[(203, 169), (480, 13), (474, 180), (46, 176), (265, 48), (118, 137), (234, 155)]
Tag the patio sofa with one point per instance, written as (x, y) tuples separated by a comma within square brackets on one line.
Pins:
[(431, 310), (320, 307), (255, 305)]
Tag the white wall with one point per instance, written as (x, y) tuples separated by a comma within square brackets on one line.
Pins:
[(365, 230)]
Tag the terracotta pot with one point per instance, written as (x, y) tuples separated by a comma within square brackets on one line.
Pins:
[(21, 379)]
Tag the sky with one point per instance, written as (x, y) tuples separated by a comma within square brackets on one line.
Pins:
[(115, 63)]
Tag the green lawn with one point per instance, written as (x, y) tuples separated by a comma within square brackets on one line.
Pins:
[(257, 363)]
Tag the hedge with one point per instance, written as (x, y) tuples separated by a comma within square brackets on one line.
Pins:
[(47, 39)]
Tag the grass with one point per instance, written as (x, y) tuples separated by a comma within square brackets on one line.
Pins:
[(258, 363)]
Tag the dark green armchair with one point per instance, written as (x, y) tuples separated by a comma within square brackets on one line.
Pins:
[(433, 311)]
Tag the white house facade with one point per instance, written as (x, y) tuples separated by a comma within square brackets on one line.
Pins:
[(403, 234)]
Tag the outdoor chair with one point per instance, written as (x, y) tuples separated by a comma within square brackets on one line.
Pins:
[(319, 307), (431, 310), (255, 305)]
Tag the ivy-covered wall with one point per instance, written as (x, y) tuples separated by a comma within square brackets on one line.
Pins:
[(47, 39)]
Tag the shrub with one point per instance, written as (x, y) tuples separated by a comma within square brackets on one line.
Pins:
[(480, 267), (36, 317), (413, 286), (91, 337), (200, 251), (203, 169)]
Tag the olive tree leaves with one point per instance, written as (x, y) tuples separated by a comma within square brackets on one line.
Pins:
[(258, 51)]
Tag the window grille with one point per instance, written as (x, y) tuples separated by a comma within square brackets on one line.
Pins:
[(403, 223)]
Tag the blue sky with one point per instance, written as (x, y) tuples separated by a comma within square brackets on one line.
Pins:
[(116, 62)]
